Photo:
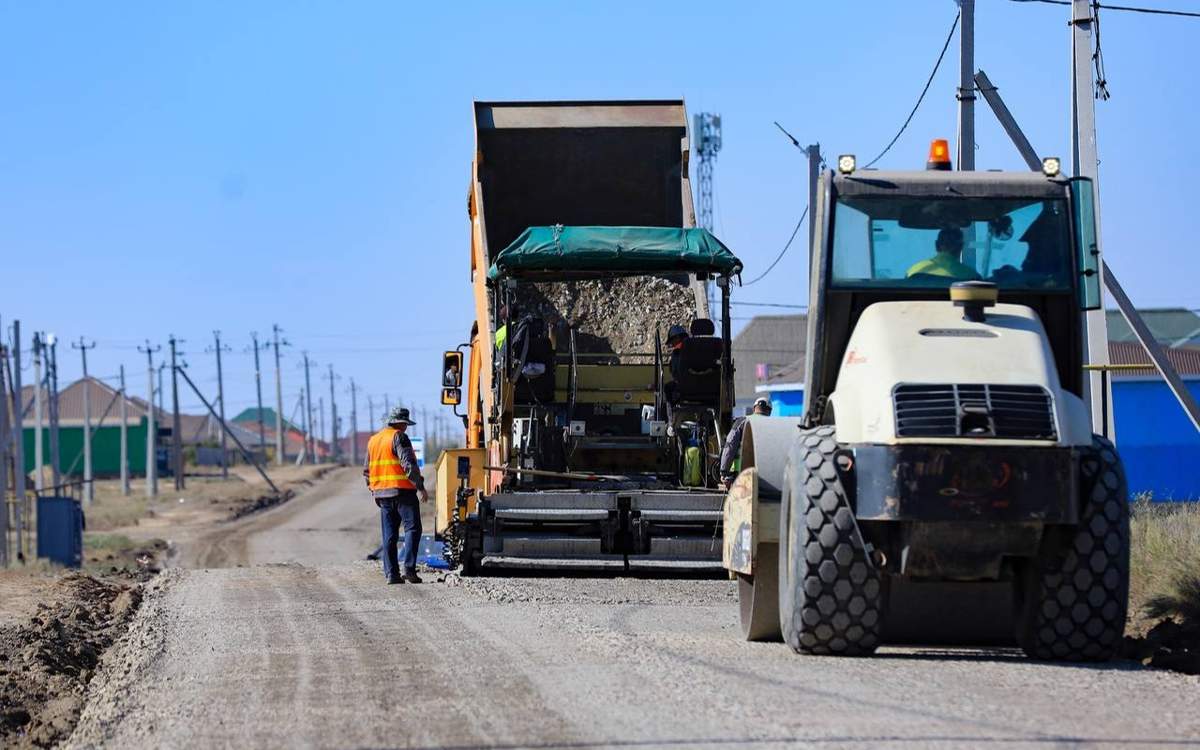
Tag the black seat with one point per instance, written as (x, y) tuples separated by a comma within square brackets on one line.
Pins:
[(703, 327), (696, 368)]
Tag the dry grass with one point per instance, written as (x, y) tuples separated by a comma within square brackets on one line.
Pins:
[(1164, 565)]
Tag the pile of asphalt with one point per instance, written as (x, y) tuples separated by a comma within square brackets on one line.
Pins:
[(47, 661)]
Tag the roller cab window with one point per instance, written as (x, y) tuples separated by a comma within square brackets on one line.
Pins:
[(1018, 243)]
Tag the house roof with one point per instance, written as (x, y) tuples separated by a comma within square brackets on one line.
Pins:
[(70, 403), (776, 341), (250, 416), (1172, 326), (1185, 359)]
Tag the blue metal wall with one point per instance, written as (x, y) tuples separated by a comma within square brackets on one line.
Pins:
[(786, 403), (1159, 445)]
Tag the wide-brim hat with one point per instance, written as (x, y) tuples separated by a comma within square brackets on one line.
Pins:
[(399, 415)]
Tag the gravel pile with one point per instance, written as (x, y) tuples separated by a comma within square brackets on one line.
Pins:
[(611, 315)]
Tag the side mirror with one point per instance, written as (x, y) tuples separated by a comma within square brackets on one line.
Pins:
[(452, 363), (451, 397)]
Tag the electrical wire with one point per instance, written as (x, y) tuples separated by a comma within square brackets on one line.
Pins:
[(768, 304), (782, 252), (921, 98), (1124, 8)]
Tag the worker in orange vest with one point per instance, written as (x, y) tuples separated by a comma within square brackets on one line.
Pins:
[(395, 481)]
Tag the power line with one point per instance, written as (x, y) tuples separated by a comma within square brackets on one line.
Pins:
[(768, 304), (782, 252), (921, 98), (1125, 8)]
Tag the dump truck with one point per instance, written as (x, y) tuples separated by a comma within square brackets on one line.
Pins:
[(943, 484), (589, 444)]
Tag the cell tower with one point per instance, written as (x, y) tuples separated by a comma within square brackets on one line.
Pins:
[(707, 132)]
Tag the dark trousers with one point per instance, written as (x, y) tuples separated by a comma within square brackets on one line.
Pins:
[(394, 512)]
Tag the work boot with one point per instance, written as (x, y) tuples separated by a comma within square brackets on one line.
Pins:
[(412, 577), (395, 579)]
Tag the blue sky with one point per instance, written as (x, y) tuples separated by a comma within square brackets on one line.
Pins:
[(185, 167)]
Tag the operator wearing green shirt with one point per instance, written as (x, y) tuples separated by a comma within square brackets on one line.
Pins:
[(947, 262)]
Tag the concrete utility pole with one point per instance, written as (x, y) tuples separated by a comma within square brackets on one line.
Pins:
[(39, 460), (151, 427), (1085, 164), (320, 417), (5, 437), (279, 444), (333, 418), (124, 414), (88, 493), (176, 429), (309, 445), (353, 423), (18, 434), (966, 86), (216, 347), (813, 153), (262, 430), (387, 406), (52, 376), (370, 413)]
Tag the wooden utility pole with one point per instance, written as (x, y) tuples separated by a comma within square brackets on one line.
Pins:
[(353, 422), (18, 435), (309, 444), (52, 377), (88, 493)]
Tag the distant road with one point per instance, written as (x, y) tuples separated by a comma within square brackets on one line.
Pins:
[(307, 647)]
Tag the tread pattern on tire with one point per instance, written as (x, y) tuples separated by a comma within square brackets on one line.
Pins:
[(1077, 596), (836, 597)]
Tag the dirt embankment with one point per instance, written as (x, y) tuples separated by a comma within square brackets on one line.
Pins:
[(51, 641)]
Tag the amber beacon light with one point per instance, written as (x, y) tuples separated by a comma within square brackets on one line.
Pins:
[(939, 154)]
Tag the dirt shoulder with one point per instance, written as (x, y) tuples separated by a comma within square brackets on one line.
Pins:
[(53, 630)]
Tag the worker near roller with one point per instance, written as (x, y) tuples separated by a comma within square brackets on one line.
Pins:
[(395, 481), (947, 262), (733, 441)]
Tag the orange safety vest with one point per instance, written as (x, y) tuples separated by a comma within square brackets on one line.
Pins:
[(384, 471)]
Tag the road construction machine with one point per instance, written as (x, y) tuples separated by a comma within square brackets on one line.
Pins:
[(943, 484), (590, 444)]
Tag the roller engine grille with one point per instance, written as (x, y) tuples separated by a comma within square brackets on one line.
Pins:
[(1023, 412)]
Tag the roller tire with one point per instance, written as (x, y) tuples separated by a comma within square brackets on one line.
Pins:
[(830, 596), (1075, 594)]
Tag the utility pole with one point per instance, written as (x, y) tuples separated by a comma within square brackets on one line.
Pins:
[(151, 427), (813, 152), (262, 430), (176, 429), (52, 376), (387, 406), (279, 445), (309, 445), (966, 85), (216, 347), (1085, 164), (18, 434), (353, 423), (88, 494), (39, 460), (124, 438), (5, 436), (370, 413), (333, 418), (320, 417)]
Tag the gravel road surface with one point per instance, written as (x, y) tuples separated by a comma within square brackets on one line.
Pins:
[(306, 647)]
